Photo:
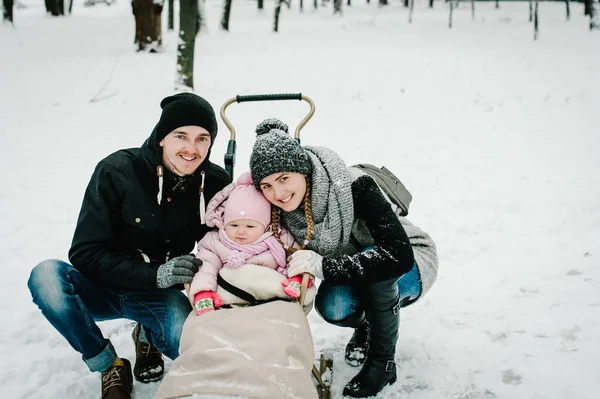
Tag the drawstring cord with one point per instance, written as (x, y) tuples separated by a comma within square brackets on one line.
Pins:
[(202, 203), (160, 173)]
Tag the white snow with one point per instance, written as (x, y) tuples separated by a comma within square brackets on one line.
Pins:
[(495, 135)]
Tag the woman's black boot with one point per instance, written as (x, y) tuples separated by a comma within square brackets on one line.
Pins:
[(380, 301)]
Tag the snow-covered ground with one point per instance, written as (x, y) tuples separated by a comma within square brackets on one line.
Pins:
[(495, 134)]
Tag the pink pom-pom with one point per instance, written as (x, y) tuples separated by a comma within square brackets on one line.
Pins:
[(245, 179)]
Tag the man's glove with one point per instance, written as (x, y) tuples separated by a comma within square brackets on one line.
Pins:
[(305, 261), (179, 270), (205, 301)]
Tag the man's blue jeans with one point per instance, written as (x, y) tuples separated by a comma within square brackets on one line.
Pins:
[(336, 303), (72, 303)]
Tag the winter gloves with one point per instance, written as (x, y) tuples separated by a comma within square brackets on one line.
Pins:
[(205, 301), (292, 285), (305, 261), (179, 270)]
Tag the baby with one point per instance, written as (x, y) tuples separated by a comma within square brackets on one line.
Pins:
[(244, 236)]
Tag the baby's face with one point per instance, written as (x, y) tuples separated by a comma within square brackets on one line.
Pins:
[(244, 231)]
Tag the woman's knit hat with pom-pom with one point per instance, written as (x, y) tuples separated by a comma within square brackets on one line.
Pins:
[(275, 151)]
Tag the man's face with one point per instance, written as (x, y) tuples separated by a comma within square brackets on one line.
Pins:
[(184, 149)]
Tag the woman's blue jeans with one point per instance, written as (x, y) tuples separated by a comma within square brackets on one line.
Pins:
[(73, 304), (336, 303)]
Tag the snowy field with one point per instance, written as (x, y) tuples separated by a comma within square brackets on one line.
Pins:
[(496, 135)]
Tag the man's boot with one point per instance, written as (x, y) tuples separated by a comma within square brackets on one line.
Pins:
[(358, 346), (117, 381), (149, 363), (382, 309)]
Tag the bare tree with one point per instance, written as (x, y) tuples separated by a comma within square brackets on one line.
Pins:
[(171, 15), (594, 17), (226, 15), (410, 12), (536, 20), (188, 28), (451, 11), (586, 7), (148, 30), (276, 16), (337, 6), (7, 14), (55, 7)]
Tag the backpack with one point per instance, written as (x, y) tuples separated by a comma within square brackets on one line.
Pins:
[(391, 186)]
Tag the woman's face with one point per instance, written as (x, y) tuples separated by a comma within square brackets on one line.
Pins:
[(284, 190)]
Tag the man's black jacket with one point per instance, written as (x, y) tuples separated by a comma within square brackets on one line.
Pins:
[(123, 235)]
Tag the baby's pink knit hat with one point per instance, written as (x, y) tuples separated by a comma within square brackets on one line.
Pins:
[(246, 202)]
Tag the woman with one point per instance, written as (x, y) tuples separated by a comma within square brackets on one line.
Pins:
[(371, 261)]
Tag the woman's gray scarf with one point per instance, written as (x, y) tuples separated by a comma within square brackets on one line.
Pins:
[(332, 204)]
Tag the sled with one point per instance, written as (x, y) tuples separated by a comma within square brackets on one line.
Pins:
[(324, 373)]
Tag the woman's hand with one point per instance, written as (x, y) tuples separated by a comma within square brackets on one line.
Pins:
[(305, 261), (205, 301)]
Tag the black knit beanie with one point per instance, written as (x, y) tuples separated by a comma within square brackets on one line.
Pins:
[(276, 151), (185, 109)]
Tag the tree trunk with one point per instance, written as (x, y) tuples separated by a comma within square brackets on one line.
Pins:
[(226, 14), (261, 4), (188, 21), (70, 6), (171, 15), (586, 7), (497, 3), (8, 10), (316, 4), (148, 32), (430, 3), (337, 6), (410, 12), (536, 30), (349, 3), (473, 9), (276, 17), (450, 18), (301, 5), (530, 10), (594, 17), (55, 7), (406, 3), (568, 6)]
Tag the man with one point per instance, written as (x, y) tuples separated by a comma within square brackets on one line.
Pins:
[(140, 217)]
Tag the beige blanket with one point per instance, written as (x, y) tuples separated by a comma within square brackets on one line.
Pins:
[(263, 351)]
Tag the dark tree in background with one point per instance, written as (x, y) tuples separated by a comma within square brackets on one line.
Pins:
[(148, 32), (568, 5), (55, 7), (188, 29), (430, 3), (276, 16), (7, 14), (594, 17), (261, 4), (536, 30), (226, 14), (171, 16), (337, 6)]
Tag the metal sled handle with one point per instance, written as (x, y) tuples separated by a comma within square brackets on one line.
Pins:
[(230, 155)]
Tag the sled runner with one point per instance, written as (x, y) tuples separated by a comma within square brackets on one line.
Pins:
[(258, 344)]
